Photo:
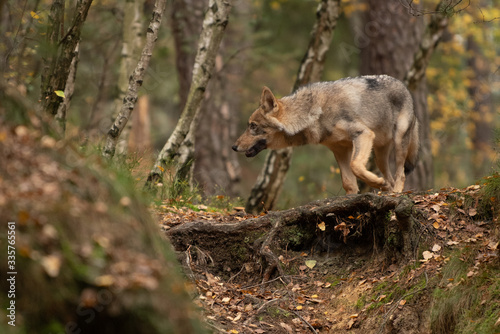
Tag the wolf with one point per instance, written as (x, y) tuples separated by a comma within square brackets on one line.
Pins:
[(350, 116)]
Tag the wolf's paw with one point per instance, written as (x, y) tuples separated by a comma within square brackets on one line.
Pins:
[(387, 186)]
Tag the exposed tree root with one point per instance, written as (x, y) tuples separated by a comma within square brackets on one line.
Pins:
[(385, 221)]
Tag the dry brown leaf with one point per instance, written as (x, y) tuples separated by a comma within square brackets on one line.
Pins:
[(288, 328), (436, 248), (351, 323), (427, 255)]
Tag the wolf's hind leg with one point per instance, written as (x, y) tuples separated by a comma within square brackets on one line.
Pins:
[(401, 146), (382, 155), (363, 144)]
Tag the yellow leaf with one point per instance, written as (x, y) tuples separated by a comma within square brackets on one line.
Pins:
[(322, 226), (310, 263), (299, 307), (104, 280), (60, 93), (301, 178), (436, 225), (34, 15)]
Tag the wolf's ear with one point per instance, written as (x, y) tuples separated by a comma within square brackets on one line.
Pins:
[(267, 100)]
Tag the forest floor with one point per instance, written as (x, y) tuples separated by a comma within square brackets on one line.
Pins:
[(451, 284)]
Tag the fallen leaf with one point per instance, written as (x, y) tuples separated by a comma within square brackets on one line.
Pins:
[(402, 302), (288, 328), (493, 245), (226, 300), (51, 264), (350, 323), (436, 248), (310, 263), (105, 280), (436, 225), (427, 255), (472, 212), (322, 226), (299, 307), (436, 207), (238, 317)]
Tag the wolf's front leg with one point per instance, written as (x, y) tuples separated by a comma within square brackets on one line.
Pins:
[(343, 156)]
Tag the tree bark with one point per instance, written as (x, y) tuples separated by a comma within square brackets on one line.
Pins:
[(397, 43), (62, 50), (186, 23), (68, 94), (135, 81), (131, 46), (179, 149), (481, 115), (422, 177), (266, 190)]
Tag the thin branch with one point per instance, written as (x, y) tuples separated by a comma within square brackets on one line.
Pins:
[(445, 7), (305, 321)]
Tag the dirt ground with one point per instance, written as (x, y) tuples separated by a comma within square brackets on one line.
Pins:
[(353, 287)]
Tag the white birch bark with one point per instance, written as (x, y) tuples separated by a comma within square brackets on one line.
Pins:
[(180, 147), (131, 46), (268, 186), (68, 94), (135, 81)]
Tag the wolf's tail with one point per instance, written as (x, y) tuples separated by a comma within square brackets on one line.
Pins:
[(413, 147)]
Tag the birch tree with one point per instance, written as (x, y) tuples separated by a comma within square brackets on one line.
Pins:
[(272, 176), (131, 46), (179, 149), (60, 57), (135, 81)]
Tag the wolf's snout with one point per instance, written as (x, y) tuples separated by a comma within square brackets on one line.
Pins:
[(235, 148)]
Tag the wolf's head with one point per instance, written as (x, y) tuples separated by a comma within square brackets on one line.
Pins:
[(265, 129)]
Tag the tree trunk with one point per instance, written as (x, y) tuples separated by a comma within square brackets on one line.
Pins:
[(62, 50), (179, 149), (185, 23), (272, 176), (422, 177), (131, 46), (397, 43), (217, 170), (481, 114), (68, 94), (135, 81)]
